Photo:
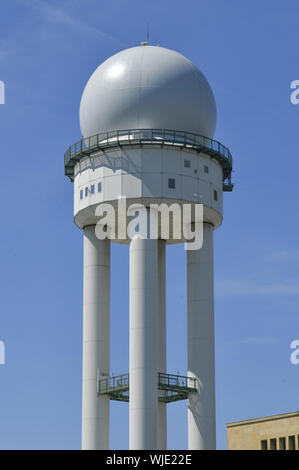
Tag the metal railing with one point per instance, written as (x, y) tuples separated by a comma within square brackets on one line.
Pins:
[(113, 384), (171, 387), (176, 382), (163, 137)]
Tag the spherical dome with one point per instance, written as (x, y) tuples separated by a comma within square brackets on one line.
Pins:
[(147, 87)]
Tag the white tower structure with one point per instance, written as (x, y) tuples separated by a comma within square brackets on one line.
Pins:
[(148, 117)]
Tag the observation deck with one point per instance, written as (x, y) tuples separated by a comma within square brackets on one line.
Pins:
[(161, 137), (171, 387)]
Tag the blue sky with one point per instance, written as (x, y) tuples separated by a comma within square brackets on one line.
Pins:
[(249, 53)]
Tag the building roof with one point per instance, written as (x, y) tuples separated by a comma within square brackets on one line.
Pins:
[(263, 419)]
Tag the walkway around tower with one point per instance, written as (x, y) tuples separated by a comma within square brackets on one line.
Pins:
[(161, 137)]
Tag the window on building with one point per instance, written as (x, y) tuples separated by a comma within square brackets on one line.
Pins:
[(206, 169), (264, 445), (282, 443), (292, 445), (195, 172), (81, 194), (272, 444), (99, 187), (215, 195), (86, 192), (187, 163), (92, 189), (171, 183)]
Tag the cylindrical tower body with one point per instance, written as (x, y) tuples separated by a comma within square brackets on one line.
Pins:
[(162, 366), (201, 355), (143, 343), (96, 340)]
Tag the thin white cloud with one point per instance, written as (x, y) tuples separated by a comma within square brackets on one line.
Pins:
[(284, 256), (2, 54), (56, 15), (252, 340), (234, 287), (4, 49), (275, 263)]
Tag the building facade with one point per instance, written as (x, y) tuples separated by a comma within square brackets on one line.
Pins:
[(278, 432)]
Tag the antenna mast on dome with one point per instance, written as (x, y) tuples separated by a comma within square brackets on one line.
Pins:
[(146, 43)]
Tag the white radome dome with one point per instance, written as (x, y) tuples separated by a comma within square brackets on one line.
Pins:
[(147, 87)]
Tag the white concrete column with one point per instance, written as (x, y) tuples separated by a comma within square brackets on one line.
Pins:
[(201, 356), (162, 367), (143, 343), (96, 340)]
